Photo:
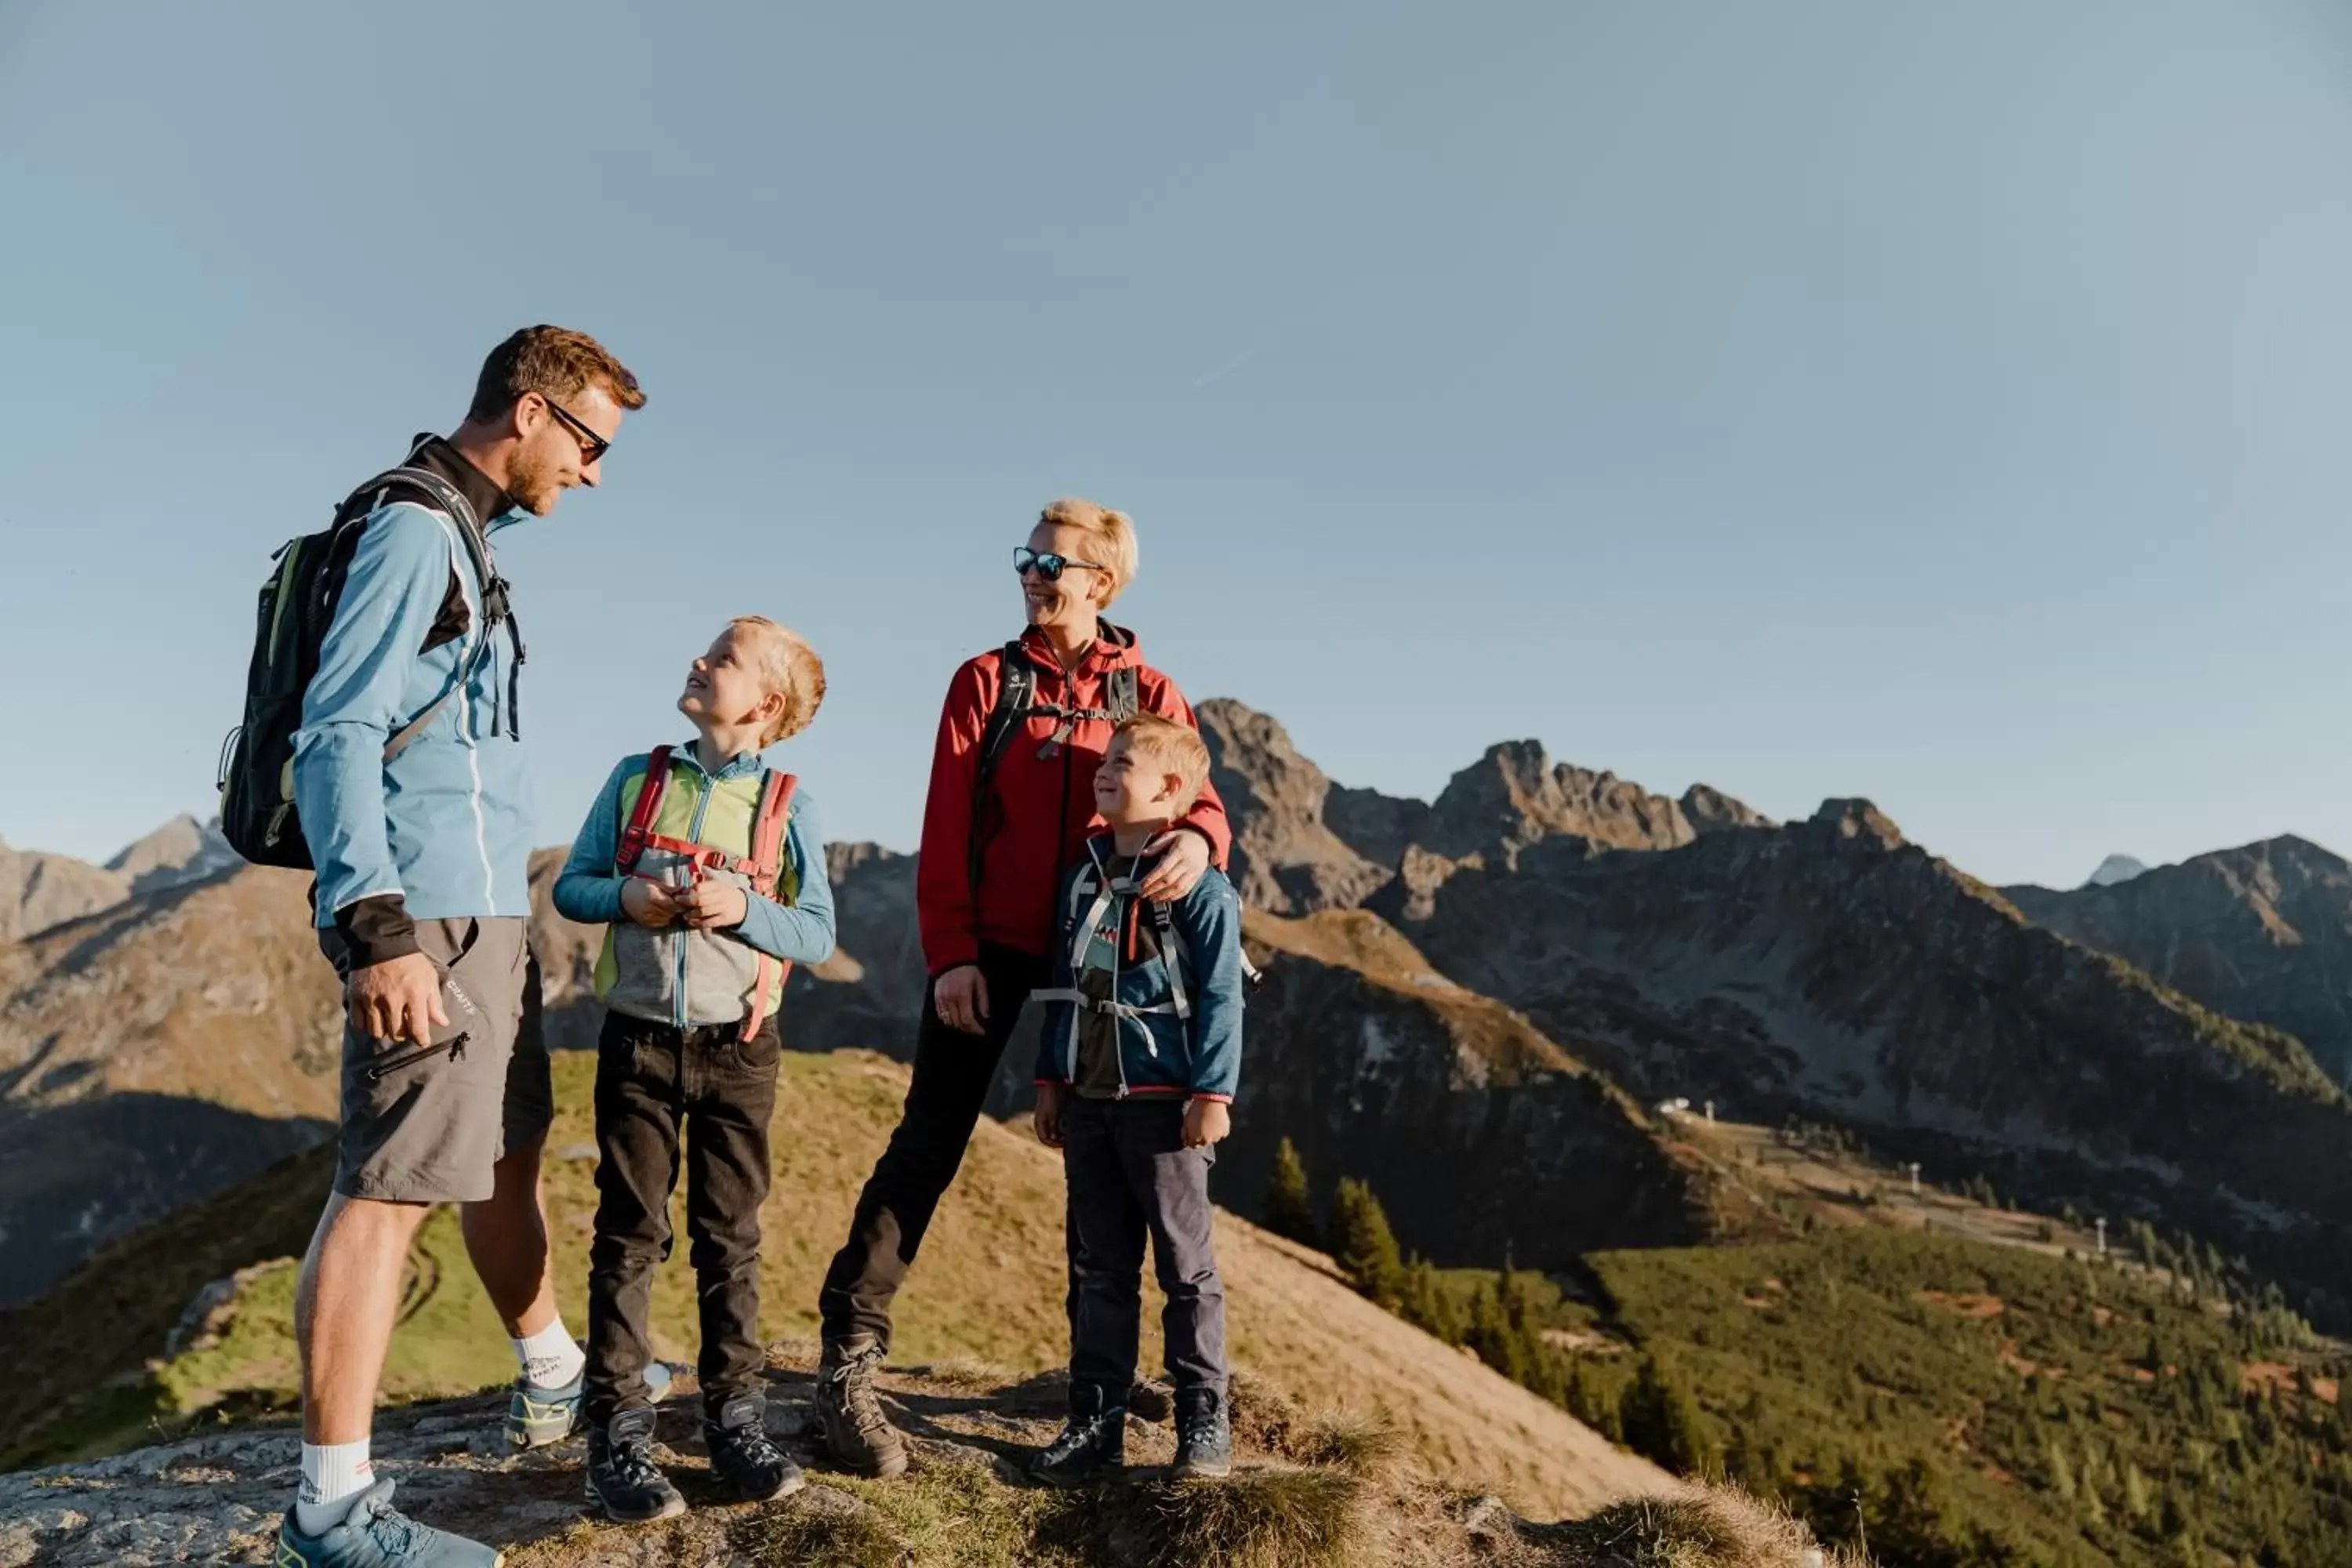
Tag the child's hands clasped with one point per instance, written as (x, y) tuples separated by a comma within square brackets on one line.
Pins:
[(1206, 1122), (649, 903), (713, 904)]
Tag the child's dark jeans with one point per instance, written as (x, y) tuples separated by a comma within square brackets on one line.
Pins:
[(1131, 1177), (651, 1080)]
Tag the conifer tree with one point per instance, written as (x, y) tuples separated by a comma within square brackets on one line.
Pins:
[(1289, 1209), (1662, 1421), (1363, 1246)]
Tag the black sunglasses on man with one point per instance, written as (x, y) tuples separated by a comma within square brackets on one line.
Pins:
[(592, 446)]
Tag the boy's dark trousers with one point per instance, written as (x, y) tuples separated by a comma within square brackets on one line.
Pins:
[(953, 1071), (1131, 1177), (651, 1080)]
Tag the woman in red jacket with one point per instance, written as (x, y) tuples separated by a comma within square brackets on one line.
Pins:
[(1010, 809)]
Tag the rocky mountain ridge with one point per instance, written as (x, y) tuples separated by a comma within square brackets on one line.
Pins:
[(2262, 932), (1829, 969)]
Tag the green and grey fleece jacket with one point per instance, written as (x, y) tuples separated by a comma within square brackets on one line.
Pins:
[(675, 976)]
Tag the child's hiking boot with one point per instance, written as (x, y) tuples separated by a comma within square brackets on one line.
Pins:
[(375, 1534), (624, 1485), (1092, 1444), (537, 1416), (749, 1466), (857, 1434), (1204, 1436)]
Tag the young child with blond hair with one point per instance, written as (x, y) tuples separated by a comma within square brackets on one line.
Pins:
[(1135, 1071), (707, 870)]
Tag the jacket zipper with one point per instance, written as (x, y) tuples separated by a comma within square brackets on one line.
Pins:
[(454, 1045), (694, 835)]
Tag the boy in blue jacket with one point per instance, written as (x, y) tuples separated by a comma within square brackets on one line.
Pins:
[(1136, 1072), (707, 872)]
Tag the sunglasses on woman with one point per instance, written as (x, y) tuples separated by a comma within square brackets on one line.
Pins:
[(1046, 565)]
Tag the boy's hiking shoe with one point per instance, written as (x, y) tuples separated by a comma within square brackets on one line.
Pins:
[(624, 1485), (1204, 1436), (743, 1458), (1093, 1442), (537, 1416), (857, 1434), (375, 1534)]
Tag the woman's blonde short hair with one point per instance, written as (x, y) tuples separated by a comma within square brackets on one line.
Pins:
[(787, 666), (1114, 535), (1165, 746)]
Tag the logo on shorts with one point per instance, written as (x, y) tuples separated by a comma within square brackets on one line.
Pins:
[(458, 993)]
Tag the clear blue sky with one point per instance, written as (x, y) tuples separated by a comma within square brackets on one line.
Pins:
[(1945, 404)]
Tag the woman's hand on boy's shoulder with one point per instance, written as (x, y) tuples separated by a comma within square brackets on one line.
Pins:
[(1182, 859)]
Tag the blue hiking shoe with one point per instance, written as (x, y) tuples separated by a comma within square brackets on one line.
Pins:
[(375, 1534), (537, 1416)]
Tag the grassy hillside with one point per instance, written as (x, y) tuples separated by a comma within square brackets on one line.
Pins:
[(987, 1287), (2074, 1412)]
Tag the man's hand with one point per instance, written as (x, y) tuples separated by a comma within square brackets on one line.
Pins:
[(1206, 1122), (397, 999), (962, 996), (716, 904), (649, 903), (1183, 860), (1047, 1117)]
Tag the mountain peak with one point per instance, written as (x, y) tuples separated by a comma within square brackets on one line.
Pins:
[(1709, 810), (2115, 869), (1515, 795), (182, 850), (1858, 818)]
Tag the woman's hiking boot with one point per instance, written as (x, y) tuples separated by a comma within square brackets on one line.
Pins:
[(624, 1485), (1093, 1442), (375, 1534), (857, 1434), (1204, 1436), (745, 1461)]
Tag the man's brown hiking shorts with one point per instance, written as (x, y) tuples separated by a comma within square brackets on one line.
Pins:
[(426, 1124)]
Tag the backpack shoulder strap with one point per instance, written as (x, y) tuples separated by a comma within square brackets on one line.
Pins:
[(447, 497), (1016, 692), (1176, 954), (640, 818), (1120, 701), (768, 829), (767, 861)]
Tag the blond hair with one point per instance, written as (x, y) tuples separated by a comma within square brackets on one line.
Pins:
[(1165, 746), (788, 667), (1113, 532)]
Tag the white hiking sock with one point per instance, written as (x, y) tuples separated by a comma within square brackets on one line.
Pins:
[(332, 1475), (549, 1358)]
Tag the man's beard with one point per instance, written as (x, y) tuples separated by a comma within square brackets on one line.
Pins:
[(530, 482)]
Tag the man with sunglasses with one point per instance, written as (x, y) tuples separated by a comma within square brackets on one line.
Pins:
[(1010, 810), (409, 785)]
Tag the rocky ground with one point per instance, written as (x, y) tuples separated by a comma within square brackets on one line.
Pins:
[(1311, 1488)]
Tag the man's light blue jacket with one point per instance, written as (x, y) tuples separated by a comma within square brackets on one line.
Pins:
[(443, 829)]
